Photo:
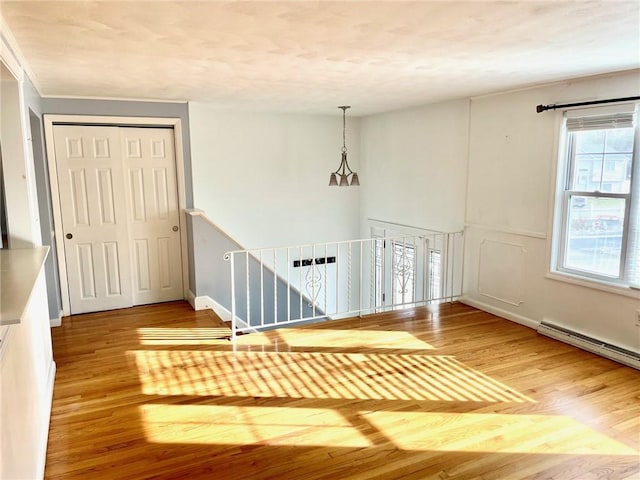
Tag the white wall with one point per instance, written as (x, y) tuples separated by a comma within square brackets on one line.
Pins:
[(414, 166), (19, 178), (263, 178), (511, 184)]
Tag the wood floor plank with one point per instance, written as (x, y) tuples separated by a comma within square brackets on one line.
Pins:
[(445, 392)]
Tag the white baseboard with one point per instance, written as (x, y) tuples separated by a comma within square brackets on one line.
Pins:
[(514, 317), (191, 298), (204, 301), (42, 446), (56, 322)]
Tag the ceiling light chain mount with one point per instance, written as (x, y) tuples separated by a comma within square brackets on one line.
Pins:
[(347, 176)]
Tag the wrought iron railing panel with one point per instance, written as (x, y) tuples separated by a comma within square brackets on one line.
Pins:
[(274, 287)]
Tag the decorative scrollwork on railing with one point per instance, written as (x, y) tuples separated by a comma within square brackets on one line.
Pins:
[(313, 283), (404, 273)]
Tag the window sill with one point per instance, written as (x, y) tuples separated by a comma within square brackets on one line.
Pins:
[(594, 284)]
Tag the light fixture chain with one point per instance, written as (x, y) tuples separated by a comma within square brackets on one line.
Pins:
[(344, 129)]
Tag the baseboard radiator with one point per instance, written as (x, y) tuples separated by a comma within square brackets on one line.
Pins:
[(620, 355)]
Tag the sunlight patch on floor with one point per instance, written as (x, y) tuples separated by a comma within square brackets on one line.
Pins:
[(233, 425), (184, 336), (410, 431), (286, 338), (487, 432), (328, 338), (316, 375)]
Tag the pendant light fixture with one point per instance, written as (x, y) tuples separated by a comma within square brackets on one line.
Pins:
[(344, 176)]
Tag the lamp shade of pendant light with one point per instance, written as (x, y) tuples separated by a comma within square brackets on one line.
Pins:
[(347, 176)]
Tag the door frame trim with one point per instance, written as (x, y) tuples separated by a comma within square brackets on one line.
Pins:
[(115, 121)]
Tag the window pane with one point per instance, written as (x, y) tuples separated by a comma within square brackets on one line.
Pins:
[(378, 273), (435, 290), (589, 141), (617, 172), (594, 235), (602, 160), (619, 140), (587, 173)]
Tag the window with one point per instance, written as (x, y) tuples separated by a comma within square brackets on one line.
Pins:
[(379, 272), (598, 204), (403, 272), (435, 267)]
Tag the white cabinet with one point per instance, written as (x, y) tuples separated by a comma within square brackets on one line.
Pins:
[(27, 369)]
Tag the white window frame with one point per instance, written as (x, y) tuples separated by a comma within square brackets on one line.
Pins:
[(565, 163)]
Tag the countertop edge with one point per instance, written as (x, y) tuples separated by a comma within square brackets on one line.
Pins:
[(18, 267)]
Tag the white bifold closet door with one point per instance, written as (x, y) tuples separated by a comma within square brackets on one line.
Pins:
[(152, 201), (118, 200)]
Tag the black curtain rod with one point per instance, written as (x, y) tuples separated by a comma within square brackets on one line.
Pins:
[(544, 108)]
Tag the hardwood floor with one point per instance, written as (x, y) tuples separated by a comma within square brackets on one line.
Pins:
[(447, 393)]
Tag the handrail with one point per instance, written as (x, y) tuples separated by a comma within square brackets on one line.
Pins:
[(320, 280), (196, 212), (210, 269), (386, 223)]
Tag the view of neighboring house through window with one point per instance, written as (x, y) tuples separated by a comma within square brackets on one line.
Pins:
[(600, 199)]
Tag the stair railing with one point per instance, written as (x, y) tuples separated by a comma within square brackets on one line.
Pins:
[(280, 286)]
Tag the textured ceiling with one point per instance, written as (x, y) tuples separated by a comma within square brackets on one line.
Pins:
[(313, 56)]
